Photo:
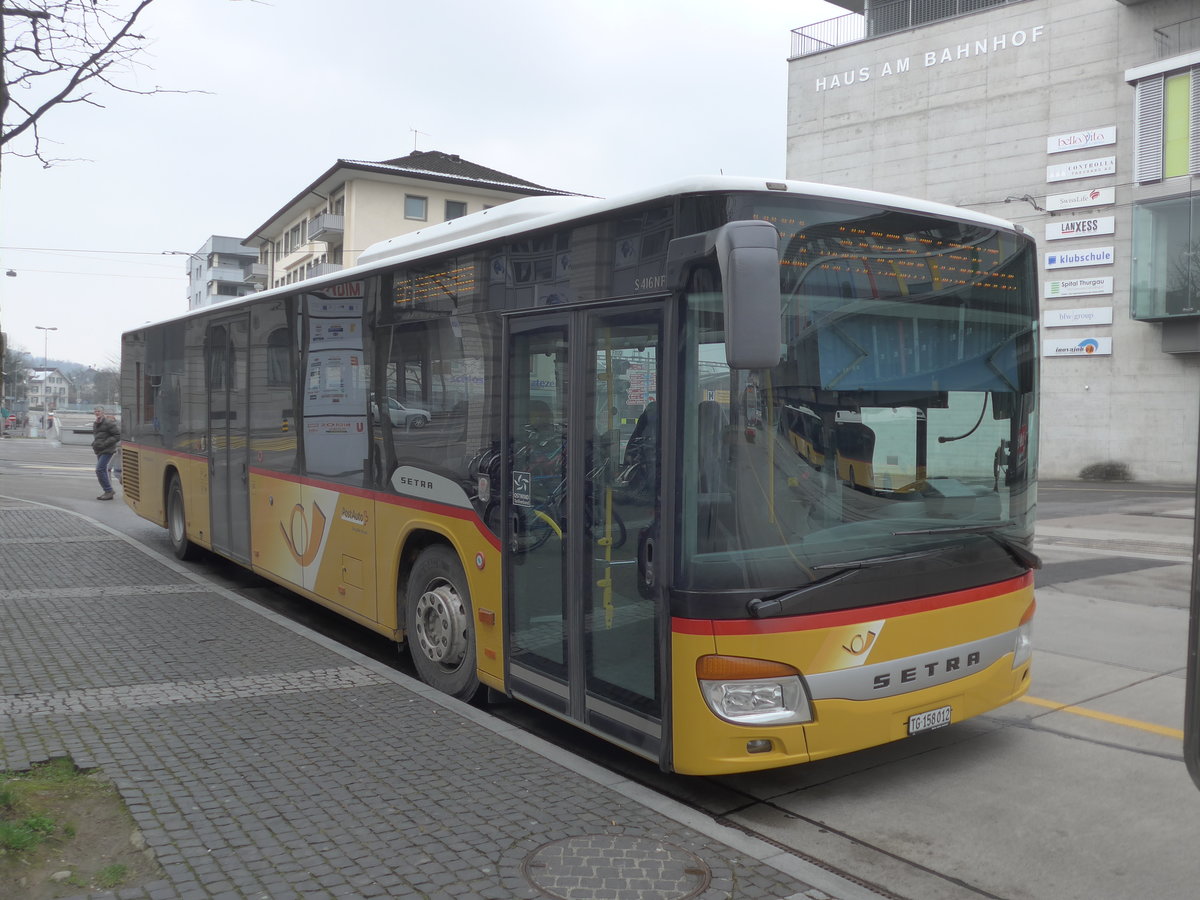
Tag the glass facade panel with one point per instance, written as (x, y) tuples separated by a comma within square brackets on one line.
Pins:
[(1165, 280)]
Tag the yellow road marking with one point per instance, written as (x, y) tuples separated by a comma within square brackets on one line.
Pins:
[(1105, 717)]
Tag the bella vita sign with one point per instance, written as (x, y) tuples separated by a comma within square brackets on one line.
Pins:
[(929, 59), (1080, 140)]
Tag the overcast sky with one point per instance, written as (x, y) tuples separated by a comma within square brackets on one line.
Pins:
[(594, 97)]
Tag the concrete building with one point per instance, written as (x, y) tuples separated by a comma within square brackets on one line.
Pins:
[(1078, 119), (217, 271), (355, 204)]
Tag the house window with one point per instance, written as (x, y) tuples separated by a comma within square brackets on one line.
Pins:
[(294, 238), (455, 209), (416, 207), (1167, 125), (1165, 279)]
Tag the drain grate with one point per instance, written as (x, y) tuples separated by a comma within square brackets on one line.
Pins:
[(615, 866)]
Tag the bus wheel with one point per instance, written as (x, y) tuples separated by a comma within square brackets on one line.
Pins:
[(438, 622), (177, 522)]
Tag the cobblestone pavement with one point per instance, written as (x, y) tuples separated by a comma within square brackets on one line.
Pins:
[(261, 761)]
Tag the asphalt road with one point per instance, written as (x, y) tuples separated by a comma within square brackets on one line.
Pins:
[(1076, 792)]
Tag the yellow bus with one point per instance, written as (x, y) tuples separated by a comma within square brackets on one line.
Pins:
[(518, 443)]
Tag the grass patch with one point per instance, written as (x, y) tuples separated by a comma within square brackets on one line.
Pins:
[(63, 829)]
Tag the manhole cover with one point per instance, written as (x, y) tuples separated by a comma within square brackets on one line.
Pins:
[(616, 866)]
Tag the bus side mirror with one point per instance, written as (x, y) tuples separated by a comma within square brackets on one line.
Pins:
[(748, 254)]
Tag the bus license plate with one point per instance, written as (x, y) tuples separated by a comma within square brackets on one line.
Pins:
[(927, 721)]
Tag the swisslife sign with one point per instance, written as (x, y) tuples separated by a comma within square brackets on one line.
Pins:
[(1057, 231), (1078, 199)]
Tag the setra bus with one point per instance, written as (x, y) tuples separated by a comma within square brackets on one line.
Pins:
[(551, 447)]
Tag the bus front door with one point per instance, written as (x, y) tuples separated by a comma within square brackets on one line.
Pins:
[(585, 624), (227, 345)]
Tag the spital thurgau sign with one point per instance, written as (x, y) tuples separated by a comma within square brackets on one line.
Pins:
[(1079, 287)]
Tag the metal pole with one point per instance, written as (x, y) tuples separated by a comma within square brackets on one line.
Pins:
[(1191, 702), (45, 330)]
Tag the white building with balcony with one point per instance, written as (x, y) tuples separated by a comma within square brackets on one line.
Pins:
[(217, 271), (355, 204)]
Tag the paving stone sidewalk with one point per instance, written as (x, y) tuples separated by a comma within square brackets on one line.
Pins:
[(259, 761)]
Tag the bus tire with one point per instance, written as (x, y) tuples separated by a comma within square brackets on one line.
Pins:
[(439, 623), (177, 523)]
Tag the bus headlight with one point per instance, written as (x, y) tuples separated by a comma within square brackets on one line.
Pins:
[(1023, 650), (753, 691)]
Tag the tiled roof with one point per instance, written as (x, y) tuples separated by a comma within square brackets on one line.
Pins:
[(451, 167), (430, 165)]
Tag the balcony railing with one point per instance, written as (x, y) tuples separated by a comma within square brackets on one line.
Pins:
[(1175, 40), (880, 19), (326, 226), (325, 268), (255, 273), (225, 273)]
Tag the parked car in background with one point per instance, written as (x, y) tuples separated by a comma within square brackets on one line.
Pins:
[(406, 416)]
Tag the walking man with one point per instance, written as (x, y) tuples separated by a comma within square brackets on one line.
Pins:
[(106, 435)]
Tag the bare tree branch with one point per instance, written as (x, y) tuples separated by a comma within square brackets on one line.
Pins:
[(60, 52)]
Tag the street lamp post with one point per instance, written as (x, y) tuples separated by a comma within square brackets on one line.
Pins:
[(45, 330)]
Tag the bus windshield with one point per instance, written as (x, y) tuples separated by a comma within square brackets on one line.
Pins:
[(899, 422)]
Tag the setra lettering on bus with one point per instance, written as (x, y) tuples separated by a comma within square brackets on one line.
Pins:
[(910, 674)]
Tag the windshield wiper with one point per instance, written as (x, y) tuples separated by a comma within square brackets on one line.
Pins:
[(838, 571), (1019, 552), (872, 561)]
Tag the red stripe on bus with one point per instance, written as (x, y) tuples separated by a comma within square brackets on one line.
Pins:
[(815, 621), (198, 457), (454, 512), (440, 509)]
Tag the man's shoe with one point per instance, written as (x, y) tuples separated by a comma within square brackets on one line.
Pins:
[(107, 495)]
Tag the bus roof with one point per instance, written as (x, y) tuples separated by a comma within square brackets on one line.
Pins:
[(536, 213)]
